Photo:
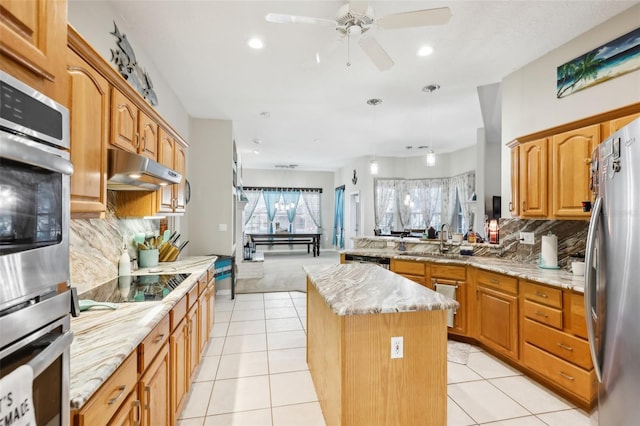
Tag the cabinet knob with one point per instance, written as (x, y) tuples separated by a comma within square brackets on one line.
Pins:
[(510, 206), (524, 206), (138, 418), (565, 347), (121, 389), (587, 161)]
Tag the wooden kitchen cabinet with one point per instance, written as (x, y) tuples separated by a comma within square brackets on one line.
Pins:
[(193, 320), (612, 126), (211, 301), (497, 313), (410, 269), (454, 276), (172, 154), (550, 346), (89, 107), (154, 391), (148, 136), (514, 203), (533, 178), (179, 358), (124, 122), (130, 413), (33, 37), (570, 171), (112, 395)]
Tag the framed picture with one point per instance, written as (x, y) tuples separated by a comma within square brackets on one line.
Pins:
[(611, 60)]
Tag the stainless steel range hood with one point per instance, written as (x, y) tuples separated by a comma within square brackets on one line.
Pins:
[(132, 172)]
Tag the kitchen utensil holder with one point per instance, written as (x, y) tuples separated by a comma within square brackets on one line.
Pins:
[(148, 258)]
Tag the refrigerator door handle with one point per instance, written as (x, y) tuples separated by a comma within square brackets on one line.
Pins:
[(590, 284)]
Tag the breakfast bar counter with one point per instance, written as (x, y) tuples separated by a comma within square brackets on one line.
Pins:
[(354, 313)]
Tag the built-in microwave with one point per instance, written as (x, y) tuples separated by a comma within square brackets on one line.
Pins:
[(34, 195)]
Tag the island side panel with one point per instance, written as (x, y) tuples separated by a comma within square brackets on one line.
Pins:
[(379, 390), (324, 354)]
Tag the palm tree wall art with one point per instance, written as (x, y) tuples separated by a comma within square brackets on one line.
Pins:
[(613, 59)]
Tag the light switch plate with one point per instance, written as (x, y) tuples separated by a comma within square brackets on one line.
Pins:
[(222, 227), (527, 238), (397, 347)]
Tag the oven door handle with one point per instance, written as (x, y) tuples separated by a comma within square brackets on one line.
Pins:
[(44, 359), (36, 157)]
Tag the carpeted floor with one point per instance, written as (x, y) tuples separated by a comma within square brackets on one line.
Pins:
[(283, 271)]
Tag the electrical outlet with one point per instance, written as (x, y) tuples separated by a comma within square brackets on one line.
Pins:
[(391, 244), (397, 347), (527, 238)]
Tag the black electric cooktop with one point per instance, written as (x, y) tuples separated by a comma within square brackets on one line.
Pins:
[(138, 288)]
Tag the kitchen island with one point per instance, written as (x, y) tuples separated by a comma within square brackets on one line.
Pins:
[(353, 312)]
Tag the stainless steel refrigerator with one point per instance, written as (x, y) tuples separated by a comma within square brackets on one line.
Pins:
[(612, 277)]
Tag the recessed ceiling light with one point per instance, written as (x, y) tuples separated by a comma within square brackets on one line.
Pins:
[(430, 88), (257, 141), (425, 51), (255, 43), (265, 114)]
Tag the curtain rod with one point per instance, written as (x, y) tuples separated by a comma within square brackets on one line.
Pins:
[(272, 188)]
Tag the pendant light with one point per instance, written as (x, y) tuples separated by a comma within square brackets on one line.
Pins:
[(431, 155), (373, 164)]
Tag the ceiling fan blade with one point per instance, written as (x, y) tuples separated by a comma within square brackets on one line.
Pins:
[(279, 18), (376, 53), (358, 7), (418, 18)]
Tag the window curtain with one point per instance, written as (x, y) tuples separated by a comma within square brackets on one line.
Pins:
[(404, 198), (312, 203), (338, 221), (291, 199), (252, 201), (464, 185), (270, 200), (430, 191), (385, 189)]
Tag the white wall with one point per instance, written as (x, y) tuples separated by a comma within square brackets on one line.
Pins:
[(94, 21), (299, 179), (529, 102), (211, 208)]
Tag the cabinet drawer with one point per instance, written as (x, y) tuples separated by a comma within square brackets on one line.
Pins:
[(211, 272), (192, 296), (578, 321), (570, 377), (449, 272), (415, 278), (150, 346), (563, 345), (542, 294), (202, 283), (543, 314), (112, 394), (410, 268), (178, 312), (498, 281)]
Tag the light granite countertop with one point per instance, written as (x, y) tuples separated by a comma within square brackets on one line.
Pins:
[(103, 339), (367, 289), (554, 277)]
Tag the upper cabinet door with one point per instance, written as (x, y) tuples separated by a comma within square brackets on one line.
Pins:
[(166, 147), (148, 137), (613, 126), (89, 112), (570, 171), (124, 122), (180, 164), (533, 178), (33, 38), (514, 205)]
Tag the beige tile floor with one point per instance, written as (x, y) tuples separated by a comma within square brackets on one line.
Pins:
[(254, 373)]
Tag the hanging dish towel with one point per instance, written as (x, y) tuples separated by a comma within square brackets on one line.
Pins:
[(16, 397), (450, 292)]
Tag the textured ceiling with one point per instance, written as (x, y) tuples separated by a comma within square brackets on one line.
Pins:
[(319, 118)]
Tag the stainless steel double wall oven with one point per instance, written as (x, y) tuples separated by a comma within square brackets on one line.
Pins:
[(34, 244)]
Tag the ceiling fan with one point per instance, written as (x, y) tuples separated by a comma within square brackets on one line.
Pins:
[(356, 18)]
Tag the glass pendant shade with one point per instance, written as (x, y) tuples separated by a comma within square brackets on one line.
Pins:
[(431, 158), (373, 167)]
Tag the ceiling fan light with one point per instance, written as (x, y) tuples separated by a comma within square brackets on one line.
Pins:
[(255, 43), (425, 51), (373, 167), (431, 158)]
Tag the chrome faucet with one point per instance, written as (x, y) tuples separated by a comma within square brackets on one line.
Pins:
[(443, 246)]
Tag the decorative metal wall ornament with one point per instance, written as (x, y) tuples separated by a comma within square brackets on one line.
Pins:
[(125, 59)]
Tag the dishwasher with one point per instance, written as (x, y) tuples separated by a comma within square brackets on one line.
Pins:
[(384, 262)]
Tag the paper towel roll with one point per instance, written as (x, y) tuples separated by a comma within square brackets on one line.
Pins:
[(549, 255)]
